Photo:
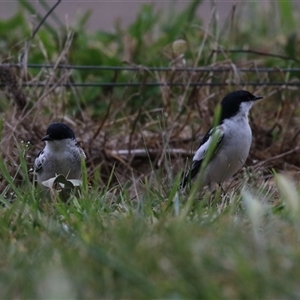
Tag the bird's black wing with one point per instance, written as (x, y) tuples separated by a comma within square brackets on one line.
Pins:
[(38, 163), (208, 139)]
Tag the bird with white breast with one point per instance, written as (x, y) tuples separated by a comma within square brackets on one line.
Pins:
[(61, 154), (232, 138)]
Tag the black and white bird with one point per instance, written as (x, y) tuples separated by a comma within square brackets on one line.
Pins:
[(232, 140), (61, 154)]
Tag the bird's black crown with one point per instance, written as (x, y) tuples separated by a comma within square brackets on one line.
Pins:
[(230, 105), (58, 131)]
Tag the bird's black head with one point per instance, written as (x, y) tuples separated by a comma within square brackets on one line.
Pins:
[(231, 104), (58, 131)]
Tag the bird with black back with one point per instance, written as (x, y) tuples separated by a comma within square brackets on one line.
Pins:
[(232, 138)]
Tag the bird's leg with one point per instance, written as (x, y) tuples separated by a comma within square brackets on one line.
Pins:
[(221, 187), (215, 194), (224, 196)]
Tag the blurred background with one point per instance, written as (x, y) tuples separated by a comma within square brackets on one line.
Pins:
[(106, 14)]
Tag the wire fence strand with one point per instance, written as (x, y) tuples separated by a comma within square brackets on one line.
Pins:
[(141, 68), (154, 84), (158, 69)]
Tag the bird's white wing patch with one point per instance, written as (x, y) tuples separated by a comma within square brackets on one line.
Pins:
[(212, 139), (82, 153)]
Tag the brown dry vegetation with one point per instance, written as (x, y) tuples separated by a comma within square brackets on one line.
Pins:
[(133, 142), (122, 142)]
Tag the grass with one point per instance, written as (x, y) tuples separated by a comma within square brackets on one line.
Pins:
[(97, 246), (128, 233)]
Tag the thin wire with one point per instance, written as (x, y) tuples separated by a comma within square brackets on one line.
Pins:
[(154, 84), (158, 69)]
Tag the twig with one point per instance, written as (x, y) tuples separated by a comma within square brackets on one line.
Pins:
[(44, 19), (104, 119), (142, 153), (261, 163), (23, 56), (257, 53)]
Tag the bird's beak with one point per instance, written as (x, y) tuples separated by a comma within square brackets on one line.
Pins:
[(257, 98), (46, 138)]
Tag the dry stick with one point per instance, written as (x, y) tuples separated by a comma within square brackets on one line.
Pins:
[(133, 127), (104, 119), (257, 53), (117, 157), (44, 19), (186, 122), (276, 157), (102, 123), (143, 153), (55, 17), (24, 56)]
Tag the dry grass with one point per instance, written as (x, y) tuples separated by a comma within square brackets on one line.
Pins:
[(157, 135), (134, 144)]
